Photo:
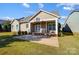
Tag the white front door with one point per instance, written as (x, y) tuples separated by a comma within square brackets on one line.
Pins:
[(37, 28)]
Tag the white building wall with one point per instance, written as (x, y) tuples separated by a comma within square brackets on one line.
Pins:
[(13, 26), (23, 27), (73, 22)]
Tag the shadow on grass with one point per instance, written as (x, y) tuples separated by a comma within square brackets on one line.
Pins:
[(62, 34), (5, 40), (67, 33), (4, 36)]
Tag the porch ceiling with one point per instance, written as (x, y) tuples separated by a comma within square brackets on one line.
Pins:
[(43, 21)]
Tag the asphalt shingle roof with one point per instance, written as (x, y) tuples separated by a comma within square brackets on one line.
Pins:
[(25, 19)]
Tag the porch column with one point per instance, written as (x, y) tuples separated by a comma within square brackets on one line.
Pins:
[(29, 27), (46, 26), (56, 26)]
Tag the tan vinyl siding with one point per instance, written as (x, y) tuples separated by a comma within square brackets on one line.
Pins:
[(23, 27), (44, 17)]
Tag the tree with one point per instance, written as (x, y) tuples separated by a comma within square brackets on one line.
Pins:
[(59, 26), (6, 26), (0, 27)]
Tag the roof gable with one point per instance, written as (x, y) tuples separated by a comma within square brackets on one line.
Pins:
[(52, 14), (29, 18), (25, 19), (13, 21)]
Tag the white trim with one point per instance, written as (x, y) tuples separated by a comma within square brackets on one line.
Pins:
[(46, 20), (56, 26), (13, 21), (46, 26), (50, 13), (29, 27), (45, 12)]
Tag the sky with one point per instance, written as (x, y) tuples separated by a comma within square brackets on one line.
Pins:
[(19, 10)]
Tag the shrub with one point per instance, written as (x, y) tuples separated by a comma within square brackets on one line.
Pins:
[(25, 32), (19, 33), (60, 33), (22, 32)]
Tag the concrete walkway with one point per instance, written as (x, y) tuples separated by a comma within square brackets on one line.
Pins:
[(51, 41)]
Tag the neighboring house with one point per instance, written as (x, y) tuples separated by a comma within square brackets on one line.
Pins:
[(72, 22), (15, 25), (41, 22)]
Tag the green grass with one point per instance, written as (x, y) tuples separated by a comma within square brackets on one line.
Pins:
[(68, 45), (5, 33), (5, 36), (16, 46)]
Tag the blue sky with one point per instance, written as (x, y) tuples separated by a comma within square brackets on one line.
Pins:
[(18, 10)]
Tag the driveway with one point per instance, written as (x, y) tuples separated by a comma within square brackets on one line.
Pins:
[(41, 39)]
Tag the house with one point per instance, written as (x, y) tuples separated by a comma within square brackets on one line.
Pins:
[(72, 22), (41, 22), (15, 26), (24, 24)]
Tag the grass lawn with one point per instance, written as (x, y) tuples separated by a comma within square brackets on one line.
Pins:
[(4, 35), (68, 45)]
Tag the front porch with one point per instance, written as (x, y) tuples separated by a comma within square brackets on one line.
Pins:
[(45, 27)]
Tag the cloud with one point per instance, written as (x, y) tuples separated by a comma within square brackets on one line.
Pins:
[(26, 5), (41, 5), (67, 6), (7, 18), (63, 17), (29, 12)]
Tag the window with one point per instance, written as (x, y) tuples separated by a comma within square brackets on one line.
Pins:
[(17, 27), (37, 19), (26, 25), (51, 26), (12, 26)]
